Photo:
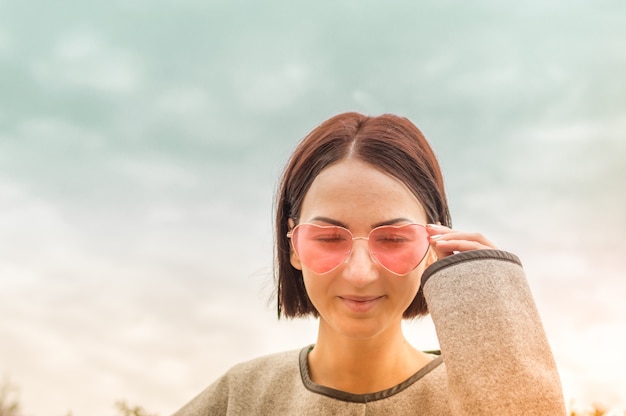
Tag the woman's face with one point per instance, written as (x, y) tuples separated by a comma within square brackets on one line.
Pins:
[(360, 299)]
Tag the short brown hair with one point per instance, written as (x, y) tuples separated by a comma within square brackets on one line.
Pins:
[(390, 143)]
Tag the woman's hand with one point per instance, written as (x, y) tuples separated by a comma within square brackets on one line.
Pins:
[(446, 241)]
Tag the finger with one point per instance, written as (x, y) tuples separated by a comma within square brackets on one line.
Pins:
[(445, 248), (463, 236), (434, 229), (446, 241), (441, 252)]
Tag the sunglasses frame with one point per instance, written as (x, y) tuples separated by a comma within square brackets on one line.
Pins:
[(369, 248)]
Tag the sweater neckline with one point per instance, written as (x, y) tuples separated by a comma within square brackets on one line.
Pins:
[(360, 398)]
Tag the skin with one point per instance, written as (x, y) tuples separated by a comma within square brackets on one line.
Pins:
[(360, 346)]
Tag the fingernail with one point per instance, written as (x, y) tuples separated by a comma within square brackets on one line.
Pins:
[(433, 226), (434, 237)]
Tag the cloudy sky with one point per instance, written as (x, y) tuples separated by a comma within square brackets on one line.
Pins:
[(141, 141)]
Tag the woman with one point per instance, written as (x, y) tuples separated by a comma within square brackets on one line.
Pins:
[(363, 242)]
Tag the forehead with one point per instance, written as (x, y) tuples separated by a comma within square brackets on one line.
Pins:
[(355, 192)]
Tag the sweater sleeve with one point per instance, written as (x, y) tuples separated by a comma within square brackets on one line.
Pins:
[(492, 340)]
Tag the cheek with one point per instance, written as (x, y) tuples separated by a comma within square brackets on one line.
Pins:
[(311, 283), (413, 282), (431, 257), (411, 287), (416, 275)]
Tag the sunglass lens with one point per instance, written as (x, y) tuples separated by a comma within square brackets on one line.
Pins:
[(321, 248), (399, 249)]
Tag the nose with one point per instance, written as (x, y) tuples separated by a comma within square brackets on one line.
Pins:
[(360, 267)]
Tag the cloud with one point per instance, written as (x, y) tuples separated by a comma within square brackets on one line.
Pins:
[(189, 109), (596, 352), (6, 45), (31, 226), (154, 174), (82, 60), (59, 135), (183, 102), (591, 131), (274, 88)]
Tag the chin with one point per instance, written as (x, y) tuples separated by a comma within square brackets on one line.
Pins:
[(361, 329)]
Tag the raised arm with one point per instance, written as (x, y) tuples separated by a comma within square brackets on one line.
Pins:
[(497, 357)]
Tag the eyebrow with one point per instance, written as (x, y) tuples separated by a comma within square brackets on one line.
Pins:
[(392, 222), (378, 224)]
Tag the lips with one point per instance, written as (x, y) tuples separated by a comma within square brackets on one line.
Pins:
[(360, 304)]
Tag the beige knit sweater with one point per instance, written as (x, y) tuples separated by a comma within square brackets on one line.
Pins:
[(495, 359)]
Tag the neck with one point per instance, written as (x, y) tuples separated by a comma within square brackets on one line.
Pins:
[(363, 365)]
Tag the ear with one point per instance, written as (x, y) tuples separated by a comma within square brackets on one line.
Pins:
[(293, 257)]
